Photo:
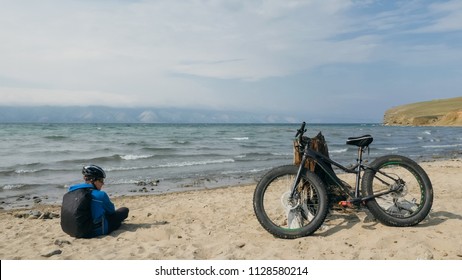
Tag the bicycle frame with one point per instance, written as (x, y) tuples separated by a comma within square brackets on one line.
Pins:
[(322, 161)]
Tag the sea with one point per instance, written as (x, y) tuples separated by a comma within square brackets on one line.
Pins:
[(40, 161)]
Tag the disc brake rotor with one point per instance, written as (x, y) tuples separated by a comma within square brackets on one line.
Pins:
[(401, 189), (287, 202)]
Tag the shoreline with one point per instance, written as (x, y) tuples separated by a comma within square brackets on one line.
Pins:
[(219, 224), (150, 187)]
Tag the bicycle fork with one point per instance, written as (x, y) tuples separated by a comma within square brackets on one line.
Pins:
[(293, 192)]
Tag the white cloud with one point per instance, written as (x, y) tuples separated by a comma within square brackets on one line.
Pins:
[(245, 40), (449, 17), (182, 53)]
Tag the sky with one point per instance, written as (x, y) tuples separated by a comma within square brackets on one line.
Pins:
[(317, 61)]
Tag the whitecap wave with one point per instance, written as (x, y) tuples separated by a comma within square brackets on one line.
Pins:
[(338, 151), (442, 146), (193, 163), (135, 157), (240, 138), (12, 187), (391, 149), (23, 171)]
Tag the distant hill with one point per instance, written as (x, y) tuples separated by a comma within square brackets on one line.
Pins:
[(96, 114), (441, 112)]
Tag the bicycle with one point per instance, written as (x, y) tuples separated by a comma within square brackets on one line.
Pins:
[(291, 201)]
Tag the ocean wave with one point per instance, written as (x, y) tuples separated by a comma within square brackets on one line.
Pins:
[(12, 187), (104, 158), (240, 138), (24, 171), (169, 165), (193, 163), (442, 146), (282, 154), (181, 142), (252, 145), (21, 169), (390, 148), (127, 168), (43, 170), (109, 158), (239, 172), (55, 137), (78, 160), (135, 157), (249, 157), (256, 154), (338, 151), (158, 149)]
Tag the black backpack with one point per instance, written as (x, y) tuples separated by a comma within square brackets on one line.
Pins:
[(76, 218)]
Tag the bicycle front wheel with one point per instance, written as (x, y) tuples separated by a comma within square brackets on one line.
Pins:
[(285, 216), (411, 196)]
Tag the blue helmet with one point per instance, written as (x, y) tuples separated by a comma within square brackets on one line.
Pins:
[(93, 172)]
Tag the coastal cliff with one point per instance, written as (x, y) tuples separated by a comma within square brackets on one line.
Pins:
[(441, 112)]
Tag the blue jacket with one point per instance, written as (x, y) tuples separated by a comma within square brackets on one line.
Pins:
[(101, 206)]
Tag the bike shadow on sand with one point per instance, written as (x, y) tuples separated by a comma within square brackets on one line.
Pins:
[(439, 217), (337, 221)]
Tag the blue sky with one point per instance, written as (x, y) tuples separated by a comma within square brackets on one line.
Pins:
[(318, 61)]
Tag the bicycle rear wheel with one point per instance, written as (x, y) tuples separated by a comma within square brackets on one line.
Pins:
[(412, 199), (285, 217)]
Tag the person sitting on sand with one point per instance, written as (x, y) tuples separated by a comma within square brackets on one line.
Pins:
[(106, 218)]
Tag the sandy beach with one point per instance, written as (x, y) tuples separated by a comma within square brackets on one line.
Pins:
[(220, 224)]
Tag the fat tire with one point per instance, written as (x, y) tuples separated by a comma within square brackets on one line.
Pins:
[(286, 233), (422, 182)]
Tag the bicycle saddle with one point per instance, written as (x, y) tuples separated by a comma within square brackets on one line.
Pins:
[(361, 141)]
